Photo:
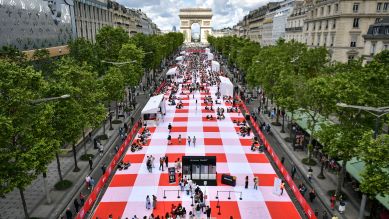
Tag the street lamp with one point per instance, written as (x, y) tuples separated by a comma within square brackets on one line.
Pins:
[(377, 112), (118, 63), (65, 96)]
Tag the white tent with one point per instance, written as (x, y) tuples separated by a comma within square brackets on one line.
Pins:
[(179, 58), (207, 50), (182, 52), (226, 86), (172, 71), (154, 110), (210, 56), (215, 66)]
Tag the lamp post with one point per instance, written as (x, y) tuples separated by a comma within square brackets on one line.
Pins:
[(377, 112), (43, 100)]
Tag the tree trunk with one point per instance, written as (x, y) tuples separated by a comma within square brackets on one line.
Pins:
[(83, 136), (76, 168), (46, 188), (24, 203), (117, 109), (104, 127), (309, 147), (283, 123), (341, 179), (59, 167), (290, 128), (277, 115)]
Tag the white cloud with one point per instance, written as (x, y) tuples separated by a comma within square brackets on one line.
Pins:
[(164, 13)]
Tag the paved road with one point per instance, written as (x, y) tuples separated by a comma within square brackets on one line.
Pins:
[(283, 149)]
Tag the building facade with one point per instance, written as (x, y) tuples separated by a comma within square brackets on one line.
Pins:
[(295, 23), (339, 25), (376, 39), (35, 24), (280, 20), (90, 16)]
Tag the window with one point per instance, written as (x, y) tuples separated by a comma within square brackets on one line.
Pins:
[(385, 7), (372, 48), (320, 25), (329, 9), (353, 42), (307, 27), (322, 11), (332, 40), (325, 40), (355, 7), (356, 23), (334, 24), (318, 39), (314, 26), (378, 19), (350, 58), (385, 46), (336, 8), (379, 5), (386, 30), (326, 24)]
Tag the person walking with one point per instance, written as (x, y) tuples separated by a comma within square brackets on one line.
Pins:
[(246, 183), (87, 182), (154, 202), (148, 203), (161, 161), (256, 182), (166, 160), (69, 214), (179, 139), (312, 195), (189, 141), (82, 199), (169, 139), (103, 168), (293, 171), (101, 149), (194, 141), (92, 183), (90, 163), (333, 201), (208, 212), (282, 187), (310, 173), (169, 127), (76, 205)]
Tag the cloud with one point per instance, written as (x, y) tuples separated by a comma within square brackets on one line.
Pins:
[(164, 13)]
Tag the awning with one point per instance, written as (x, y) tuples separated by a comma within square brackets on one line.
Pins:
[(153, 104), (303, 119), (355, 167), (171, 71), (226, 86), (215, 66), (179, 58)]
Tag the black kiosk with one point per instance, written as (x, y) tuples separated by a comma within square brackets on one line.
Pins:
[(200, 169)]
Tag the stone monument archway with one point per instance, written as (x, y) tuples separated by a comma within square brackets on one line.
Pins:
[(202, 16)]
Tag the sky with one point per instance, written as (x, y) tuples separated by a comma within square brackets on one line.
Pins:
[(164, 13)]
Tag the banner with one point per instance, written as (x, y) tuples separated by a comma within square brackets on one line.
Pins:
[(96, 190), (172, 175)]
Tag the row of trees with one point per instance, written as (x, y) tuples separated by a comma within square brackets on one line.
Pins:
[(304, 80), (33, 132)]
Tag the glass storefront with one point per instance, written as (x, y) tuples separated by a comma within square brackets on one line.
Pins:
[(29, 24)]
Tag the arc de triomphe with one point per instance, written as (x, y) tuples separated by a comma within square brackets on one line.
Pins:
[(189, 16)]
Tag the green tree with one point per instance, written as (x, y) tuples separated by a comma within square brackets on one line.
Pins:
[(42, 61), (26, 142), (114, 85), (133, 70), (109, 42), (374, 152)]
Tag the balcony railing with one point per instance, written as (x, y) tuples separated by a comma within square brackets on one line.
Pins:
[(293, 29)]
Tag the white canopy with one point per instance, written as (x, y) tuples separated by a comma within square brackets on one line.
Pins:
[(226, 86), (210, 56), (182, 52), (179, 58), (207, 50), (153, 105), (215, 66), (171, 71)]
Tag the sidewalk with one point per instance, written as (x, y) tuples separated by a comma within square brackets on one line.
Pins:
[(11, 205), (321, 186)]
